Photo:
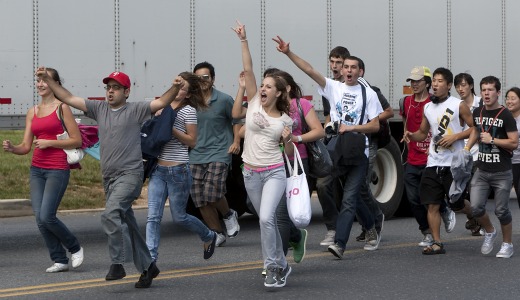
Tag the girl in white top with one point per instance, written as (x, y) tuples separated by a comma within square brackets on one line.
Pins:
[(171, 178), (465, 86), (267, 125)]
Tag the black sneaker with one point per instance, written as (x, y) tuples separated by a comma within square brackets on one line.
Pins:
[(271, 277), (208, 252), (361, 236), (145, 280), (117, 271), (282, 276)]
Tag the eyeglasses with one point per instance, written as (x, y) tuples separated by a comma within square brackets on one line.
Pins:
[(205, 77), (114, 87)]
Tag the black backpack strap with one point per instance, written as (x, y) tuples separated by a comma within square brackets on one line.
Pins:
[(364, 95), (305, 127)]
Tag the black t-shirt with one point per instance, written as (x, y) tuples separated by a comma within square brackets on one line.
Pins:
[(492, 158)]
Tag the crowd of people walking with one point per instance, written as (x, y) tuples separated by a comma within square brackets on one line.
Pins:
[(444, 136)]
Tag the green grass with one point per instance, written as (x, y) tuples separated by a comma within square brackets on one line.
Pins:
[(85, 188)]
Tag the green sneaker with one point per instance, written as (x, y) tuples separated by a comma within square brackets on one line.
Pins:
[(300, 247)]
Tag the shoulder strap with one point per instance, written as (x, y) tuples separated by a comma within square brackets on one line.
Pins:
[(364, 94), (60, 116), (305, 128)]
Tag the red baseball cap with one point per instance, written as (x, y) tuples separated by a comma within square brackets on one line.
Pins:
[(120, 77)]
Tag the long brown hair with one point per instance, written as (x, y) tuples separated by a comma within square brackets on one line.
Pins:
[(194, 96), (282, 104)]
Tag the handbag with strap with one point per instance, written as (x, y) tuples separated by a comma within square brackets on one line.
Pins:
[(297, 193), (74, 156), (320, 164)]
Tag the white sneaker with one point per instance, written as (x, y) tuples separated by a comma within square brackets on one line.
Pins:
[(231, 223), (426, 241), (489, 240), (506, 251), (221, 239), (448, 217), (57, 267), (77, 258), (329, 238)]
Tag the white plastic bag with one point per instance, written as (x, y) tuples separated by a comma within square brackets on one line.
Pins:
[(297, 193)]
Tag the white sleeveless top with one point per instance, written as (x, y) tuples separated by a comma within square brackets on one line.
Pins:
[(444, 120)]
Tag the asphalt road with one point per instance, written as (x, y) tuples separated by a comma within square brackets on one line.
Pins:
[(397, 270)]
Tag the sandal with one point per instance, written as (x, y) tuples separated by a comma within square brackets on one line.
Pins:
[(430, 250)]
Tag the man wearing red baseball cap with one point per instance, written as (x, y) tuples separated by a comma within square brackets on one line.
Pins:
[(121, 165)]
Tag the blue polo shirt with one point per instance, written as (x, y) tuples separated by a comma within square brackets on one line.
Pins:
[(214, 130)]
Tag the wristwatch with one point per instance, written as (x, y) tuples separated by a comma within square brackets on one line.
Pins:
[(492, 141), (300, 140)]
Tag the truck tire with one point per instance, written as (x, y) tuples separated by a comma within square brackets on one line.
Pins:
[(387, 179)]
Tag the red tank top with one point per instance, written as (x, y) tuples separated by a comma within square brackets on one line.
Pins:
[(47, 128)]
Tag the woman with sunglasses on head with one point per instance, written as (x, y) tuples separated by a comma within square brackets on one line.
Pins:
[(267, 125), (50, 172), (171, 178)]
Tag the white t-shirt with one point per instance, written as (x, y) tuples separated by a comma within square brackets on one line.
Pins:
[(263, 133), (444, 120), (346, 103), (474, 149)]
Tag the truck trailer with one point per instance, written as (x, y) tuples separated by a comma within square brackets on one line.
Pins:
[(153, 41)]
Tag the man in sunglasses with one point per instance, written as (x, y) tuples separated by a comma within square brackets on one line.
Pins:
[(217, 140), (119, 124)]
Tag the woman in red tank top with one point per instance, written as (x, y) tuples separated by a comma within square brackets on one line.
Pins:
[(50, 172)]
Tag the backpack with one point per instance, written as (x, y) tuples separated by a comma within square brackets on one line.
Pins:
[(155, 133), (383, 135)]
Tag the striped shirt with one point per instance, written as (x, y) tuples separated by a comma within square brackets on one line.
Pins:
[(174, 150)]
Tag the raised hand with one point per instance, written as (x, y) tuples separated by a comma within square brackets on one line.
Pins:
[(178, 82), (41, 73), (282, 45), (240, 30)]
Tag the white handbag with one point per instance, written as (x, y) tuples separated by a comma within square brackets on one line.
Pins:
[(297, 193), (74, 156)]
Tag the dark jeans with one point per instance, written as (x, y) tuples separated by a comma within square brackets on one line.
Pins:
[(47, 189), (329, 192), (352, 203), (412, 181), (366, 192)]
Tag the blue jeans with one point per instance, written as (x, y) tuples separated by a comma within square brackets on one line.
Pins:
[(482, 183), (125, 242), (174, 183), (366, 192), (265, 189), (352, 203), (47, 189)]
